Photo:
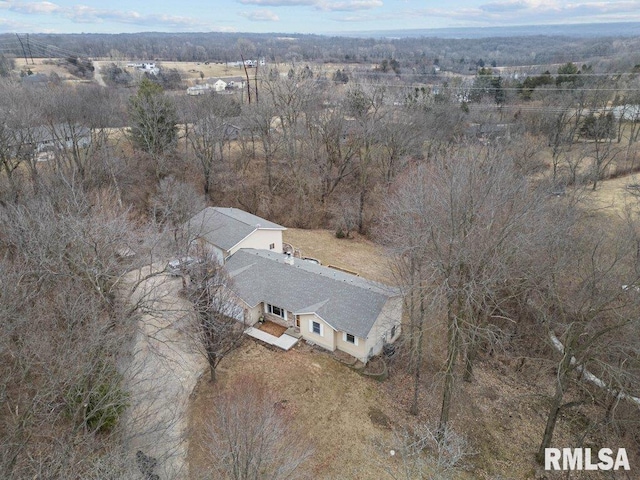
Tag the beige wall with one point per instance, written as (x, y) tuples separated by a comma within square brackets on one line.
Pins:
[(327, 340), (380, 333), (252, 314), (331, 339), (359, 351), (261, 239)]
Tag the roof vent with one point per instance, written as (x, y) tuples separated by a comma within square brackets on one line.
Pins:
[(289, 259)]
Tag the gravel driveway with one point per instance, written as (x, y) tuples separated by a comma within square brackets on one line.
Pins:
[(163, 372)]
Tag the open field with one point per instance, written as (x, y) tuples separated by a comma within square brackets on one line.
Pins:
[(44, 65)]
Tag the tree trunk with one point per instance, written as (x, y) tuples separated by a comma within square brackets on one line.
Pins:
[(418, 359), (452, 352), (363, 195), (556, 405), (469, 358)]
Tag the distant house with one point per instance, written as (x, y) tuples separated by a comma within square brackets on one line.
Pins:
[(199, 89), (219, 85), (146, 67), (44, 140), (235, 82), (326, 307), (489, 132)]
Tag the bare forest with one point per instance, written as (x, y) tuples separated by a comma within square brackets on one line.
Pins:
[(494, 181)]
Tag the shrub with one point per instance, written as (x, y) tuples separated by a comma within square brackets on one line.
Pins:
[(97, 405)]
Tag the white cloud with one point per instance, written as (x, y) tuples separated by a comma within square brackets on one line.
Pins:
[(279, 3), (260, 16), (30, 7), (326, 5), (86, 14), (349, 5)]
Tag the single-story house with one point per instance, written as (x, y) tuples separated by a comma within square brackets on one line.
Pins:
[(329, 308), (50, 138), (224, 231), (199, 89)]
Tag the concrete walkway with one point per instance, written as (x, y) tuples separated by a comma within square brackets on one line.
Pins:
[(284, 341)]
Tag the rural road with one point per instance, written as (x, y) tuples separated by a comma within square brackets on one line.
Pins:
[(97, 74), (163, 373)]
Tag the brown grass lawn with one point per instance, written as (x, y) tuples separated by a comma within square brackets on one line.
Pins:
[(40, 65), (613, 195), (349, 419), (356, 254)]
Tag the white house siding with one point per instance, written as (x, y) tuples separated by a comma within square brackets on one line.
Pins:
[(219, 86), (261, 239)]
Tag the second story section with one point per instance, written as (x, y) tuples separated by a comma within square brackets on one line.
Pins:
[(224, 231)]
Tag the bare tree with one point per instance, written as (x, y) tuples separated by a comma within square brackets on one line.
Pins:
[(61, 338), (587, 314), (419, 453), (211, 132), (251, 436), (459, 228), (219, 320), (366, 105)]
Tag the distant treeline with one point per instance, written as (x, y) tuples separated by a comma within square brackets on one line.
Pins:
[(421, 53)]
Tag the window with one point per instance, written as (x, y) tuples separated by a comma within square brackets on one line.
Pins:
[(277, 311), (347, 337), (272, 246), (315, 327)]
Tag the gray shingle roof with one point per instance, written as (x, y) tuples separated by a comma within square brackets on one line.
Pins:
[(226, 227), (348, 303)]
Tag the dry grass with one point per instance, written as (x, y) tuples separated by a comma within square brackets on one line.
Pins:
[(613, 196), (327, 400), (192, 70), (347, 416), (43, 65), (356, 254)]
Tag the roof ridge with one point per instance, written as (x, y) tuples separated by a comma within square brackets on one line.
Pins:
[(218, 209), (329, 273)]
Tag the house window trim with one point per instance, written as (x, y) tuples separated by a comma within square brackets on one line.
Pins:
[(311, 322), (345, 337), (268, 308)]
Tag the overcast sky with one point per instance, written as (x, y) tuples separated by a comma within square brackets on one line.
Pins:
[(299, 16)]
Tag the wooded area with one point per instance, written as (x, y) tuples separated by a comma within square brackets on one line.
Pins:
[(478, 180)]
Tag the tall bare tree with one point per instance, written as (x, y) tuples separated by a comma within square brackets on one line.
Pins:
[(459, 229), (219, 321)]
